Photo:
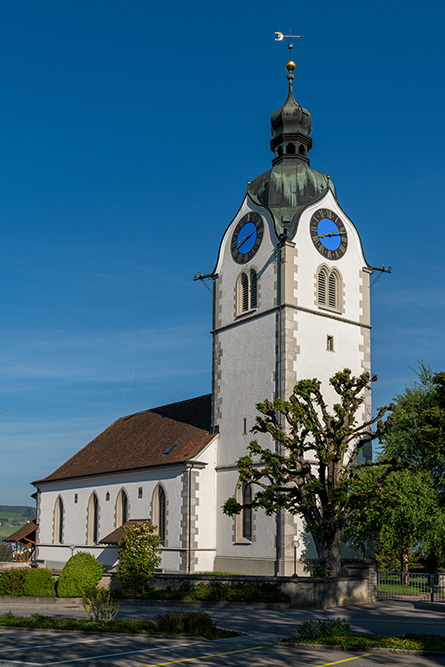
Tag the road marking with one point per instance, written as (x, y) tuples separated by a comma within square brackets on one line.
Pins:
[(201, 657), (40, 646), (107, 655), (337, 662)]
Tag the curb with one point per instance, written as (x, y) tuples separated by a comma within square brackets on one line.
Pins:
[(375, 649)]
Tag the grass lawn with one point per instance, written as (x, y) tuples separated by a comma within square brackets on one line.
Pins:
[(409, 642), (337, 632), (191, 624)]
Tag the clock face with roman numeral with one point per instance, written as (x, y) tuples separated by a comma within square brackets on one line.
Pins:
[(247, 237), (328, 234)]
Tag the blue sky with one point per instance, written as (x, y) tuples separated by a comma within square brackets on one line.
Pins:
[(128, 131)]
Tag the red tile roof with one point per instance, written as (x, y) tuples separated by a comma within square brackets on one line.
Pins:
[(21, 533), (117, 534), (142, 440)]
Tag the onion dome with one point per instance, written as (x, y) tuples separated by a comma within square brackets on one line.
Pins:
[(291, 128), (291, 185)]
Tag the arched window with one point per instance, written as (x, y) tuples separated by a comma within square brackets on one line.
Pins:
[(279, 151), (253, 289), (243, 520), (290, 148), (247, 292), (321, 287), (245, 289), (302, 150), (332, 291), (58, 522), (247, 513), (158, 511), (93, 520), (328, 288), (121, 508)]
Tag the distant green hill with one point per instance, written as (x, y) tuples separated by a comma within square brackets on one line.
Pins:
[(21, 510), (14, 516)]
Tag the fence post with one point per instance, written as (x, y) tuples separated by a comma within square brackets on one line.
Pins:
[(431, 577)]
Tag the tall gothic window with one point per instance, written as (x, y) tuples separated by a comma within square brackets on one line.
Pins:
[(158, 511), (328, 288), (247, 292), (93, 520), (243, 520), (121, 508), (58, 522)]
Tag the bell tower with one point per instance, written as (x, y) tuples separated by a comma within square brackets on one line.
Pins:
[(290, 300)]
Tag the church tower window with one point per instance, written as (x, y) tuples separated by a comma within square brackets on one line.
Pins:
[(93, 520), (58, 522), (247, 292), (328, 288), (243, 520)]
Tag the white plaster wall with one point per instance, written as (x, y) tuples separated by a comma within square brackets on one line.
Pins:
[(75, 514), (207, 509), (264, 262), (247, 378), (309, 259)]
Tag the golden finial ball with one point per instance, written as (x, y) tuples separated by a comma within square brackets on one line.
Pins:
[(290, 66)]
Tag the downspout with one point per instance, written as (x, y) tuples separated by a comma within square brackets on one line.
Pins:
[(189, 518), (278, 372)]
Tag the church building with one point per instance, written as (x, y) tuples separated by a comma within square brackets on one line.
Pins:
[(290, 301)]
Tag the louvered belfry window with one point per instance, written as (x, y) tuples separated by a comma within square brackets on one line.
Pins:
[(322, 288), (328, 288), (253, 289), (332, 293), (245, 291)]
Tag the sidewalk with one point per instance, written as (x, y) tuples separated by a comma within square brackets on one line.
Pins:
[(385, 618)]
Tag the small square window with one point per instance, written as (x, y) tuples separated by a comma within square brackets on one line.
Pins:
[(140, 492), (330, 343)]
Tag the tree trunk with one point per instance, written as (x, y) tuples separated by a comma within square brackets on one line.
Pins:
[(405, 569), (330, 556)]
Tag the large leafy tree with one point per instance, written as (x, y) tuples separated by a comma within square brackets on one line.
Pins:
[(405, 512), (401, 513), (315, 458), (417, 437)]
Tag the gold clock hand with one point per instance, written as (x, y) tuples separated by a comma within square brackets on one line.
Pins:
[(322, 236), (247, 236)]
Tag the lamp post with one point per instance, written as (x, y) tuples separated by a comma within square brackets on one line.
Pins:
[(296, 545)]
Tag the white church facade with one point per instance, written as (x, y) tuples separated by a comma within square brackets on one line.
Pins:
[(290, 301)]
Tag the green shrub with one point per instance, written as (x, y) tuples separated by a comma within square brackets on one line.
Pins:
[(99, 605), (6, 552), (186, 623), (38, 582), (11, 583), (309, 630), (80, 573), (139, 555)]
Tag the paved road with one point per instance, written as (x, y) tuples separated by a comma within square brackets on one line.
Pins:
[(22, 648), (42, 649), (379, 618)]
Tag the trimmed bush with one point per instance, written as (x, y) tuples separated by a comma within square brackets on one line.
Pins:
[(11, 583), (38, 582), (80, 573)]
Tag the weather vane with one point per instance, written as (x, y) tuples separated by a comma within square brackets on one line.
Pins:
[(280, 36)]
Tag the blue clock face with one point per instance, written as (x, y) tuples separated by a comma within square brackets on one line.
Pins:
[(328, 234), (247, 237)]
